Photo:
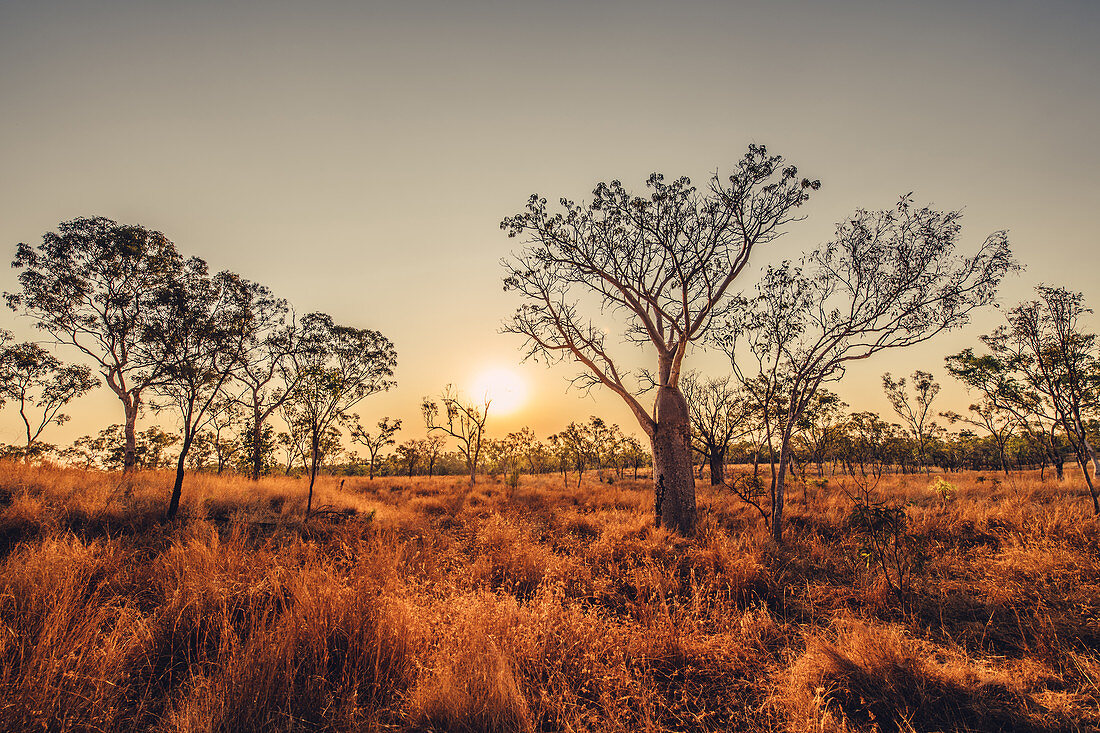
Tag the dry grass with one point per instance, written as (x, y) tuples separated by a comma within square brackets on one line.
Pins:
[(421, 605)]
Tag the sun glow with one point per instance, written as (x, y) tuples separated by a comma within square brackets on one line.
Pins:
[(504, 387)]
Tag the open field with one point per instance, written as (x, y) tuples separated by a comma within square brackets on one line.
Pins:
[(434, 606)]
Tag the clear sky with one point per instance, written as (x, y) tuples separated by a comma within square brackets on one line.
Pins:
[(357, 157)]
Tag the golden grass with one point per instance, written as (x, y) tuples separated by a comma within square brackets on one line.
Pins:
[(420, 605)]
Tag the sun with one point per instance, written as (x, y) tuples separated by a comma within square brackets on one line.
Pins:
[(504, 387)]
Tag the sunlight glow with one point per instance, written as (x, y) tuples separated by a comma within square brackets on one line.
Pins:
[(504, 387)]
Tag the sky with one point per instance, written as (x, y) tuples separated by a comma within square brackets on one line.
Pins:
[(358, 157)]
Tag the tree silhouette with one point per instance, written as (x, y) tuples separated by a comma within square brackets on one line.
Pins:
[(88, 285), (889, 279), (664, 261)]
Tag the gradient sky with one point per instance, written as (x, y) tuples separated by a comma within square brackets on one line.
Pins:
[(358, 157)]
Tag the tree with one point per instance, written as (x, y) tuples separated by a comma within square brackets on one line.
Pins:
[(717, 412), (40, 384), (409, 455), (338, 367), (1045, 364), (88, 285), (666, 262), (195, 328), (431, 448), (820, 425), (267, 370), (463, 421), (998, 422), (914, 412), (376, 442), (889, 279)]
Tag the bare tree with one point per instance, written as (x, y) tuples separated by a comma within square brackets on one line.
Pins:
[(718, 415), (377, 441), (890, 279), (914, 412), (665, 261), (40, 384), (463, 421), (88, 285)]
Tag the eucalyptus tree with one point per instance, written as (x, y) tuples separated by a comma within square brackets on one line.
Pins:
[(718, 413), (375, 442), (195, 327), (1002, 390), (337, 368), (665, 262), (915, 411), (464, 421), (40, 384), (888, 280), (998, 422), (267, 370), (1043, 362), (89, 285)]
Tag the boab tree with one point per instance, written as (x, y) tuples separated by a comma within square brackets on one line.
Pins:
[(89, 285), (889, 279), (665, 261)]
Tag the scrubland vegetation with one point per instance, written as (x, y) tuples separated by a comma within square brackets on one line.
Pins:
[(427, 604)]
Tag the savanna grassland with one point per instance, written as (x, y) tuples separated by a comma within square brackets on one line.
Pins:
[(426, 604)]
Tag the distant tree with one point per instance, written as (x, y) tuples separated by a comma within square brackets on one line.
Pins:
[(461, 420), (1048, 365), (40, 385), (267, 372), (409, 455), (820, 426), (718, 415), (195, 328), (666, 261), (914, 412), (999, 423), (225, 425), (431, 449), (377, 441), (338, 367), (88, 285), (889, 279)]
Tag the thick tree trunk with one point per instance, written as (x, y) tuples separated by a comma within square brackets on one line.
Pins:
[(717, 468), (129, 456), (673, 480)]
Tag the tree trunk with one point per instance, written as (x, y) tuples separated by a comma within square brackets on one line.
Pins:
[(129, 456), (177, 487), (673, 481), (313, 463), (257, 433), (778, 495), (717, 467)]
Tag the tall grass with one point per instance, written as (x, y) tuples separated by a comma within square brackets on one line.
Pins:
[(432, 605)]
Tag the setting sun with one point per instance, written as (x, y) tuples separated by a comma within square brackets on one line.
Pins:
[(504, 387)]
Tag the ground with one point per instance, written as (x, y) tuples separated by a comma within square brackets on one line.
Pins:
[(425, 604)]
